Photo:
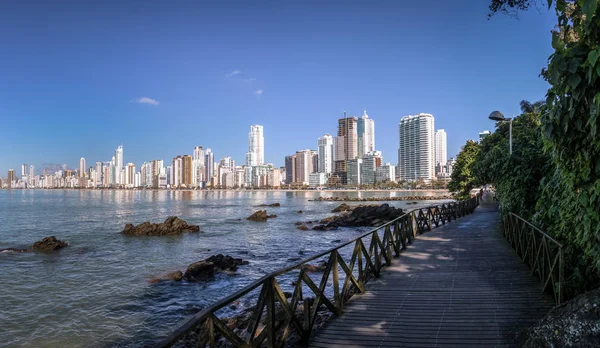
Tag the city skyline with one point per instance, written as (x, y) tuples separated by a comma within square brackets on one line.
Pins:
[(106, 85)]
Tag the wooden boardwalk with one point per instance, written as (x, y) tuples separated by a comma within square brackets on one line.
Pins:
[(460, 285)]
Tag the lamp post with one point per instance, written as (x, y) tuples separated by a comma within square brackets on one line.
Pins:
[(498, 117)]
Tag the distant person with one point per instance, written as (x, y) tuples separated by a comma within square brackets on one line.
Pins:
[(481, 194)]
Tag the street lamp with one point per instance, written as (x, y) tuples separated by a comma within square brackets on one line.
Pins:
[(498, 117)]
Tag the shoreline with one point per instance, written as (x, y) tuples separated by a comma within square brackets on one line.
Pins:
[(223, 190)]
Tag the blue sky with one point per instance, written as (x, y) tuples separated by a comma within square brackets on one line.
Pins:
[(72, 74)]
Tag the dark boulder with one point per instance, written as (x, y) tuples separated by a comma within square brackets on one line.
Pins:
[(302, 227), (49, 244), (299, 212), (261, 216), (315, 268), (576, 323), (342, 208), (172, 226), (270, 205), (206, 269), (362, 216), (175, 276)]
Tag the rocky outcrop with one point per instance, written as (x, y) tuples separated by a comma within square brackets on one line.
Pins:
[(376, 199), (172, 226), (270, 205), (342, 208), (176, 276), (361, 216), (574, 324), (260, 216), (302, 227), (206, 269), (49, 244), (299, 212), (315, 268)]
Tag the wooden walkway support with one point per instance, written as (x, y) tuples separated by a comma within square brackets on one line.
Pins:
[(460, 285)]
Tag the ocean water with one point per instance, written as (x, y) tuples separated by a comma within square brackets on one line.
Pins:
[(96, 292)]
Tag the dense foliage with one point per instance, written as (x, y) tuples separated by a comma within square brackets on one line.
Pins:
[(553, 176), (463, 181)]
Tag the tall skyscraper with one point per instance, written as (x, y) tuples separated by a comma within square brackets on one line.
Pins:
[(256, 146), (31, 174), (82, 167), (365, 134), (11, 177), (290, 169), (177, 171), (325, 154), (24, 170), (209, 165), (186, 171), (198, 166), (347, 128), (98, 178), (118, 164), (130, 175), (441, 154), (304, 166), (416, 155)]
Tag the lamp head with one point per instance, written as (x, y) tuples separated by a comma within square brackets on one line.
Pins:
[(497, 116)]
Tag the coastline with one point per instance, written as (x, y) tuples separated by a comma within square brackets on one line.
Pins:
[(225, 190)]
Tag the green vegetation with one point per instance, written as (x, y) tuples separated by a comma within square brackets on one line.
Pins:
[(553, 175)]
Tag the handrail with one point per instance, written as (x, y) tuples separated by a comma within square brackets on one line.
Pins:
[(539, 251), (274, 329)]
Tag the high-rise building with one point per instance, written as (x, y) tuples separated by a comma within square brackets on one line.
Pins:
[(98, 178), (118, 164), (484, 134), (365, 134), (177, 171), (209, 165), (347, 130), (11, 178), (354, 171), (325, 154), (416, 156), (441, 154), (186, 171), (370, 162), (290, 169), (130, 175), (386, 172), (256, 146), (31, 174), (82, 167), (198, 166), (24, 170), (303, 167)]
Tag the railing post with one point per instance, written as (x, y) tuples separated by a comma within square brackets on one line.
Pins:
[(270, 320)]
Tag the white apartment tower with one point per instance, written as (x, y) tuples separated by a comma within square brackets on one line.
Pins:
[(441, 154), (118, 164), (416, 154), (366, 135), (198, 160), (256, 146), (325, 154), (82, 167)]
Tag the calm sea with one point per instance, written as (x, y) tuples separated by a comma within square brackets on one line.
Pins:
[(95, 293)]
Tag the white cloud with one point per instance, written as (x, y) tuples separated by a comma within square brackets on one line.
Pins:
[(258, 92), (252, 79), (146, 100), (233, 73)]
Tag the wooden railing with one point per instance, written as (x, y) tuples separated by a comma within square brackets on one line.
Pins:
[(276, 316), (540, 252)]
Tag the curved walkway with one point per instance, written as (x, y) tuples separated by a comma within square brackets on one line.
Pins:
[(460, 285)]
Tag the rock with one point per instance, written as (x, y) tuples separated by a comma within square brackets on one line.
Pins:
[(373, 199), (206, 269), (287, 294), (299, 212), (269, 205), (298, 223), (324, 228), (302, 227), (49, 244), (176, 276), (172, 226), (364, 215), (199, 271), (261, 216), (336, 241), (342, 208), (575, 323)]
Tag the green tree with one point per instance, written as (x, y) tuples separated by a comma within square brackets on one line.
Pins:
[(463, 180)]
